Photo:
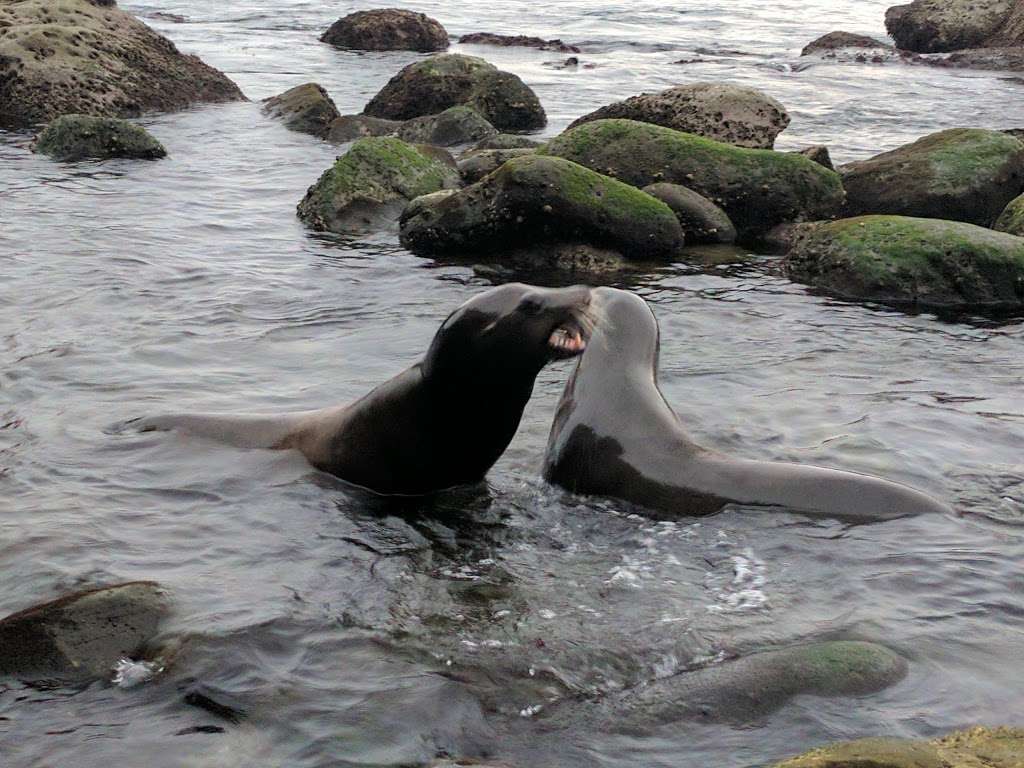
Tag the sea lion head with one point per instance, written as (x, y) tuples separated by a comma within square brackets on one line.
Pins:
[(627, 337)]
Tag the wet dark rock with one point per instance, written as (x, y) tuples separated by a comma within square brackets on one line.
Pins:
[(216, 703), (370, 184), (387, 29), (81, 636), (457, 125), (521, 41), (351, 127), (73, 57), (730, 113), (1011, 220), (936, 26), (991, 59), (506, 141), (837, 41), (571, 63), (819, 154), (305, 108), (473, 166), (78, 137), (963, 174), (534, 199), (200, 729), (757, 188), (912, 261), (702, 221), (433, 85)]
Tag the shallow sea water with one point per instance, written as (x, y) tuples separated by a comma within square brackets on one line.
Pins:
[(356, 635)]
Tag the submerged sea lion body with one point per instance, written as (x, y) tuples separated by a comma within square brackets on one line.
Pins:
[(440, 423), (615, 435)]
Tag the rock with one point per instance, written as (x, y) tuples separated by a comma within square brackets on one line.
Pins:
[(535, 199), (935, 26), (1010, 31), (506, 141), (77, 137), (756, 685), (910, 261), (733, 114), (1011, 220), (387, 29), (992, 59), (974, 748), (702, 221), (757, 188), (447, 80), (352, 127), (963, 174), (440, 154), (456, 125), (370, 184), (304, 108), (81, 636), (473, 166), (819, 154), (522, 41), (73, 57), (837, 41)]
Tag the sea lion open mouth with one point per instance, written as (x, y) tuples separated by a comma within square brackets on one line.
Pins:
[(567, 341)]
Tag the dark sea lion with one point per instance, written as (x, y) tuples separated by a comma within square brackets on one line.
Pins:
[(615, 435), (442, 422)]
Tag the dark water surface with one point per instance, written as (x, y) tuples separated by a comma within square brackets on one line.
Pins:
[(355, 635)]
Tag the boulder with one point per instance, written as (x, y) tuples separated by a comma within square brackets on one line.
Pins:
[(473, 166), (909, 261), (733, 114), (702, 221), (973, 748), (387, 29), (819, 154), (1011, 220), (351, 127), (961, 174), (77, 137), (305, 108), (838, 41), (535, 199), (757, 188), (1010, 32), (456, 125), (506, 141), (433, 85), (81, 636), (370, 184), (935, 26), (74, 57), (520, 41)]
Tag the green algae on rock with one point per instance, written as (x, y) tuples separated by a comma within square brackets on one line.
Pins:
[(370, 183), (962, 174), (912, 261), (506, 141), (474, 165), (757, 188), (1011, 220), (535, 199), (456, 125), (78, 137), (305, 108)]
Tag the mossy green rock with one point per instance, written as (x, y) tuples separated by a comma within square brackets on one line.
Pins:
[(371, 183), (963, 174), (1011, 220), (474, 165), (535, 199), (973, 748), (456, 125), (305, 108), (78, 137), (757, 188), (902, 260)]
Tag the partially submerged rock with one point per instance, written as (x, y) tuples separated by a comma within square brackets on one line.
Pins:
[(433, 85), (733, 114), (912, 261), (963, 174), (935, 26), (387, 29), (992, 59), (81, 636), (456, 125), (535, 199), (370, 184), (520, 41), (702, 221), (78, 137), (973, 748), (1011, 220), (74, 57), (757, 188), (506, 141), (305, 108), (473, 166), (352, 127), (837, 41)]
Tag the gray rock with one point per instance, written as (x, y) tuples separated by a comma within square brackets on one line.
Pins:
[(819, 154), (78, 137), (935, 26), (473, 166), (520, 41), (351, 127), (838, 41), (506, 141), (387, 29), (456, 125), (305, 108), (702, 221)]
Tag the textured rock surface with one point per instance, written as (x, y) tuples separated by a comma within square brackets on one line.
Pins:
[(387, 29), (820, 155), (74, 57), (757, 188), (1011, 220), (920, 262), (352, 127), (702, 221), (934, 26), (305, 108), (77, 137), (733, 114), (961, 174), (456, 125), (521, 41), (835, 41), (473, 166), (506, 141)]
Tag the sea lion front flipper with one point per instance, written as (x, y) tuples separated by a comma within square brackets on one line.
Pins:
[(241, 431)]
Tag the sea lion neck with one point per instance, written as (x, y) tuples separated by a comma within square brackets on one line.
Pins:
[(627, 338)]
